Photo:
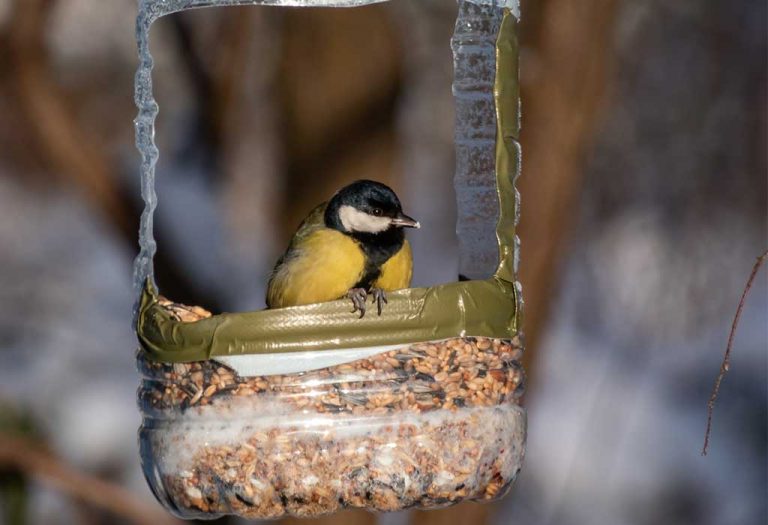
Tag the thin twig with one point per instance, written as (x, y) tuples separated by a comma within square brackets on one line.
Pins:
[(725, 366), (37, 463)]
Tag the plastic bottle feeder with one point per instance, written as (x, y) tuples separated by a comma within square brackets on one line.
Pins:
[(307, 410)]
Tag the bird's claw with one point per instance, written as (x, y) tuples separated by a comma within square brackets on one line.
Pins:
[(379, 298), (358, 297)]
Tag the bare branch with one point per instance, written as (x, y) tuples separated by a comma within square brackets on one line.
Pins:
[(35, 462), (726, 365)]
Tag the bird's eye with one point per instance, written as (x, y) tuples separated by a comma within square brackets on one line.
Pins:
[(377, 212)]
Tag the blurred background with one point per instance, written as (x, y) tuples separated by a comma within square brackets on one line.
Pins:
[(644, 194)]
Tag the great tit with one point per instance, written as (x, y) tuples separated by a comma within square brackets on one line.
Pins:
[(351, 246)]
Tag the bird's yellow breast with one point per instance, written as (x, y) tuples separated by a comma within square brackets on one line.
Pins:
[(396, 273), (321, 267)]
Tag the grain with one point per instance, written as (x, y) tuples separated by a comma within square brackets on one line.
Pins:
[(425, 425)]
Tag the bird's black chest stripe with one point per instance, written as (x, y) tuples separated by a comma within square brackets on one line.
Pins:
[(378, 249)]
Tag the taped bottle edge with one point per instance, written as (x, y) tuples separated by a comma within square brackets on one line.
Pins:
[(480, 308)]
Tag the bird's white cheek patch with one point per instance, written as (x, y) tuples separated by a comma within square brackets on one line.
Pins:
[(355, 220)]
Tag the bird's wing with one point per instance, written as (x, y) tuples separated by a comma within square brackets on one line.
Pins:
[(320, 266), (311, 223), (397, 271)]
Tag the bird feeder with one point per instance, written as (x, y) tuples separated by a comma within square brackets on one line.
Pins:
[(310, 409)]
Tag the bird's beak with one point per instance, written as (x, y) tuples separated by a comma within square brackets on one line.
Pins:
[(403, 220)]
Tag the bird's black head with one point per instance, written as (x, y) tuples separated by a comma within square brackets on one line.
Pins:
[(366, 207)]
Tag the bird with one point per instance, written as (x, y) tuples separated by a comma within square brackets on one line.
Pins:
[(351, 246)]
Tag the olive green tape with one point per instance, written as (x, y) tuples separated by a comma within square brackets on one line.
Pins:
[(507, 97), (479, 308)]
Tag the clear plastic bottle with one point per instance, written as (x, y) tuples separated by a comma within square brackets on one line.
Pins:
[(426, 425)]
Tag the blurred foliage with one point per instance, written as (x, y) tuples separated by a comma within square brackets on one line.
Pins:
[(13, 483)]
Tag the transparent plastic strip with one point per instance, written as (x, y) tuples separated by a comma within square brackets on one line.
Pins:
[(474, 55)]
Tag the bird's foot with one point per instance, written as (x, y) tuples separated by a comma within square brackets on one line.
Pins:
[(379, 298), (358, 297)]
